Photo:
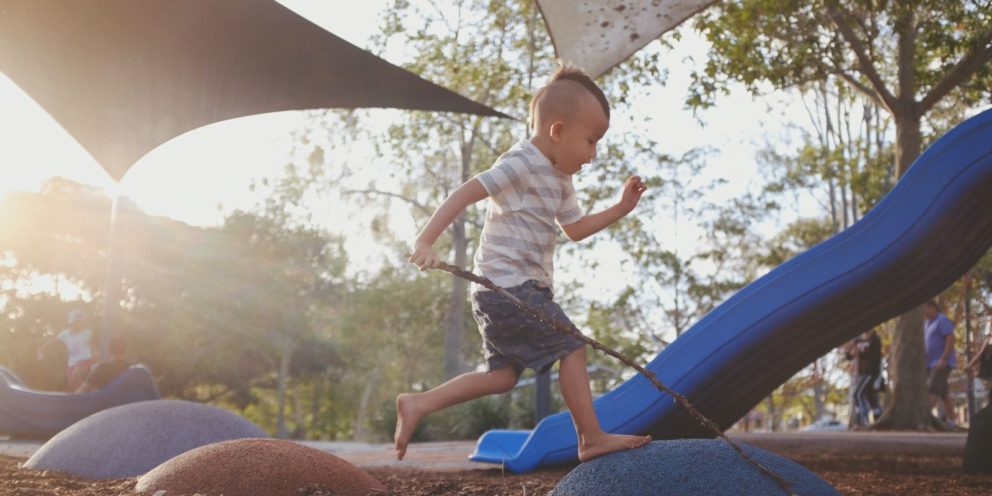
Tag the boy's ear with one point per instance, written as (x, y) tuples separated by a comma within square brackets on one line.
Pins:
[(556, 130)]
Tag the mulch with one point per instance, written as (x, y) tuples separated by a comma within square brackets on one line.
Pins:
[(853, 475)]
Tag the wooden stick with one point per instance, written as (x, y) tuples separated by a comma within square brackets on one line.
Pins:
[(572, 331)]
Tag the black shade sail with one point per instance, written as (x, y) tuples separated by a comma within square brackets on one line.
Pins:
[(124, 76)]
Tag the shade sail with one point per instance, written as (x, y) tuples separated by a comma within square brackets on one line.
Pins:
[(597, 35), (124, 76)]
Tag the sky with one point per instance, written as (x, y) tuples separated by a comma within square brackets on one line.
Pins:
[(204, 174)]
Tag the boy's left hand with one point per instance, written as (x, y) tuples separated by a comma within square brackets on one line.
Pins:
[(632, 191)]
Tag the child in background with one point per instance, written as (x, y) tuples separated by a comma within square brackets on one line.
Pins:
[(77, 339)]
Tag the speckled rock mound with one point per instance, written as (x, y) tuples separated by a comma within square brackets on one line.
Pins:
[(257, 466), (129, 440), (688, 467)]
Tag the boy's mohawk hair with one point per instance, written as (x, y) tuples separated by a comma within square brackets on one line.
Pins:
[(567, 71)]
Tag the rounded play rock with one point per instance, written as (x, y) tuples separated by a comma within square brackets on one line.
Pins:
[(129, 440), (258, 466), (688, 467)]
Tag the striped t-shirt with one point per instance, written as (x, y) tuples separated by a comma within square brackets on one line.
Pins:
[(527, 194)]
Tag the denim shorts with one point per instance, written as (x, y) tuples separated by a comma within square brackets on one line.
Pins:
[(510, 336)]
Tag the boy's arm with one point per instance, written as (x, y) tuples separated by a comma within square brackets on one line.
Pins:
[(593, 223), (423, 255)]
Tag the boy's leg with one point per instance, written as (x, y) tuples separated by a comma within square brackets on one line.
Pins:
[(412, 407), (573, 378)]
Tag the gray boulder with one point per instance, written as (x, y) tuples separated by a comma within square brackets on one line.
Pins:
[(688, 467), (129, 440)]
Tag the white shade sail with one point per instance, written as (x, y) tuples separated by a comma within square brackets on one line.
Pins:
[(597, 35)]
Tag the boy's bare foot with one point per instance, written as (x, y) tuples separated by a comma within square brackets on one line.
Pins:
[(604, 443), (407, 418)]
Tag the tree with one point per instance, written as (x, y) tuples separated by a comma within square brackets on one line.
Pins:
[(470, 47), (497, 53), (54, 247), (388, 338), (909, 57), (845, 164)]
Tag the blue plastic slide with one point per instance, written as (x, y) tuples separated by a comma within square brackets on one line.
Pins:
[(926, 233), (26, 413)]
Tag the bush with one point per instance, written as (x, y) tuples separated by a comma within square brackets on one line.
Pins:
[(466, 421), (476, 417)]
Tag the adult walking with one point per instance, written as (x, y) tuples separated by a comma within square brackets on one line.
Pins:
[(938, 333)]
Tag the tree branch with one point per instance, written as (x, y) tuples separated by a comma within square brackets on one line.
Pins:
[(883, 95), (861, 88), (377, 192), (419, 206), (960, 73)]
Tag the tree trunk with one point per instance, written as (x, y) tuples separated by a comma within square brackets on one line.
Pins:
[(909, 402), (300, 432), (455, 322), (315, 398), (358, 432), (819, 390), (285, 355), (771, 423)]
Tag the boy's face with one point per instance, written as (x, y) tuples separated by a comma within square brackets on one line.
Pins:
[(576, 139)]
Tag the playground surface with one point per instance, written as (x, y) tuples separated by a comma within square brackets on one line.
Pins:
[(856, 463)]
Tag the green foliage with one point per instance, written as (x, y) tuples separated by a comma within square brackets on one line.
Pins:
[(920, 61), (474, 418), (788, 43)]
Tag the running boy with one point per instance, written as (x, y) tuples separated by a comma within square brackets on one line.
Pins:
[(530, 190)]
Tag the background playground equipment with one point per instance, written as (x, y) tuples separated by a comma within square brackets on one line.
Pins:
[(878, 268), (27, 413)]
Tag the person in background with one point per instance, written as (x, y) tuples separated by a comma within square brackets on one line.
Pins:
[(866, 350), (981, 363), (106, 371), (938, 334), (78, 341)]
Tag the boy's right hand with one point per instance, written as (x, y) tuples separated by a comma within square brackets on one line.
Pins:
[(424, 256)]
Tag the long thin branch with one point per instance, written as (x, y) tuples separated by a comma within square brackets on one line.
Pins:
[(864, 62), (961, 71), (379, 192), (648, 374), (861, 88), (419, 206)]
